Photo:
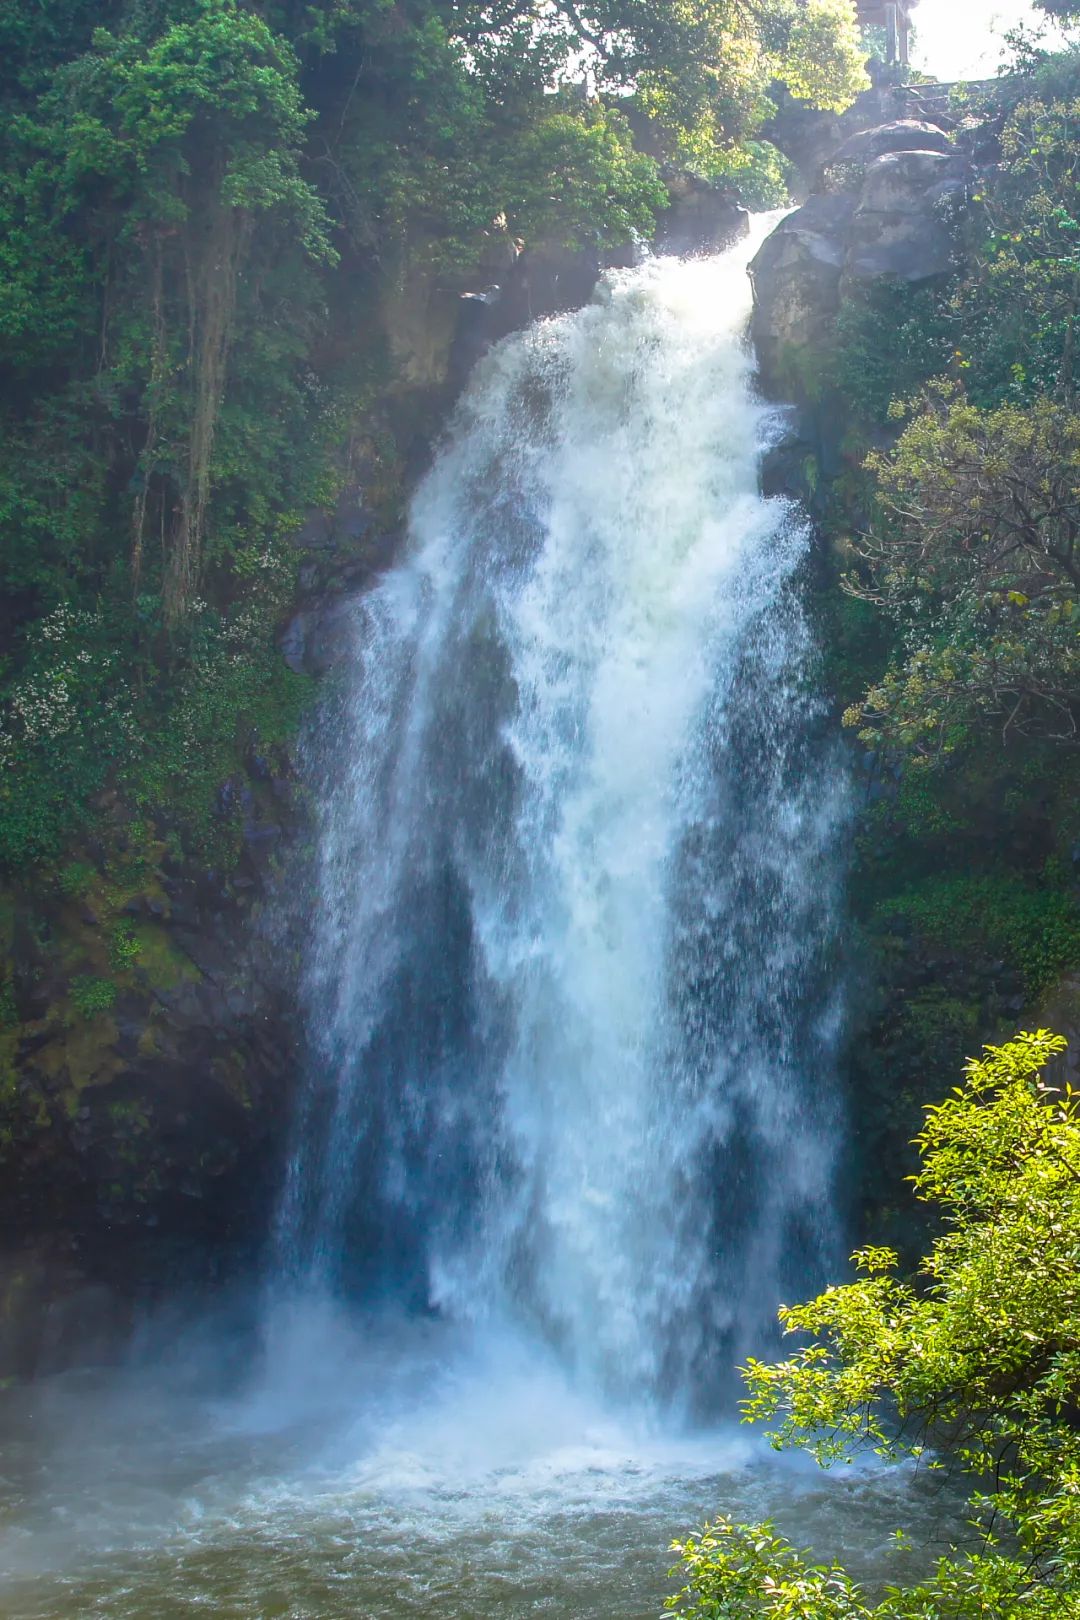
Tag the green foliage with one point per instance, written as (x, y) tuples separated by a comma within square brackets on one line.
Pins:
[(579, 180), (75, 879), (972, 550), (90, 709), (1025, 254), (1033, 928), (979, 1354), (91, 995), (977, 554), (200, 202), (889, 341), (124, 947), (851, 635), (821, 58), (703, 70), (760, 175), (921, 812), (233, 693), (67, 720)]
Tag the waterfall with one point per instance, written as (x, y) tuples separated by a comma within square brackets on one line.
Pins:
[(573, 1004)]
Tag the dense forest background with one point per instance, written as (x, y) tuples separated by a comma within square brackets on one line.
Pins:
[(231, 236), (203, 205)]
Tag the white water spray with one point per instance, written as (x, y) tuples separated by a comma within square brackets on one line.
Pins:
[(572, 1000)]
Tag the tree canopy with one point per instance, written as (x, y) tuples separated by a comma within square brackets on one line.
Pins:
[(203, 204)]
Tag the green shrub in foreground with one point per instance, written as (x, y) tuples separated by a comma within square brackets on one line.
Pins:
[(979, 1354)]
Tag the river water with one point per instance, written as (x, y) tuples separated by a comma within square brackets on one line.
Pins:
[(569, 1129), (387, 1471)]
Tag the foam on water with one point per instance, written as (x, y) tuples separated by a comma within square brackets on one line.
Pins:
[(426, 1472)]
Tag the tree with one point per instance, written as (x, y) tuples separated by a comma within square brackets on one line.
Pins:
[(1061, 10), (977, 554), (977, 1357)]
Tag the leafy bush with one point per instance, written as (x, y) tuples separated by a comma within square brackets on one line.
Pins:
[(124, 947), (978, 1355), (91, 995), (977, 554), (1033, 928), (68, 718), (890, 340)]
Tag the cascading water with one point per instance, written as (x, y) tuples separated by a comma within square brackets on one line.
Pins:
[(570, 990)]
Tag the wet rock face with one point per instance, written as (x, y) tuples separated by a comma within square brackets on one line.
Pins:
[(146, 1103), (887, 211), (904, 221), (796, 276), (545, 279), (703, 218)]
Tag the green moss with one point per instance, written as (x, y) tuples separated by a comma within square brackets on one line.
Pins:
[(79, 1055), (129, 1114), (161, 963), (805, 371), (124, 947), (91, 995)]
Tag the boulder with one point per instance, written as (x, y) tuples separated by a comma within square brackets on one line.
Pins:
[(796, 276), (860, 150), (911, 182), (902, 227), (887, 213), (320, 636), (811, 139), (545, 279)]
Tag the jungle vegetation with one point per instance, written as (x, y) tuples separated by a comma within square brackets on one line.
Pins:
[(201, 204), (951, 618)]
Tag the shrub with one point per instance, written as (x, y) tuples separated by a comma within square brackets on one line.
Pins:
[(979, 1353), (91, 995)]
